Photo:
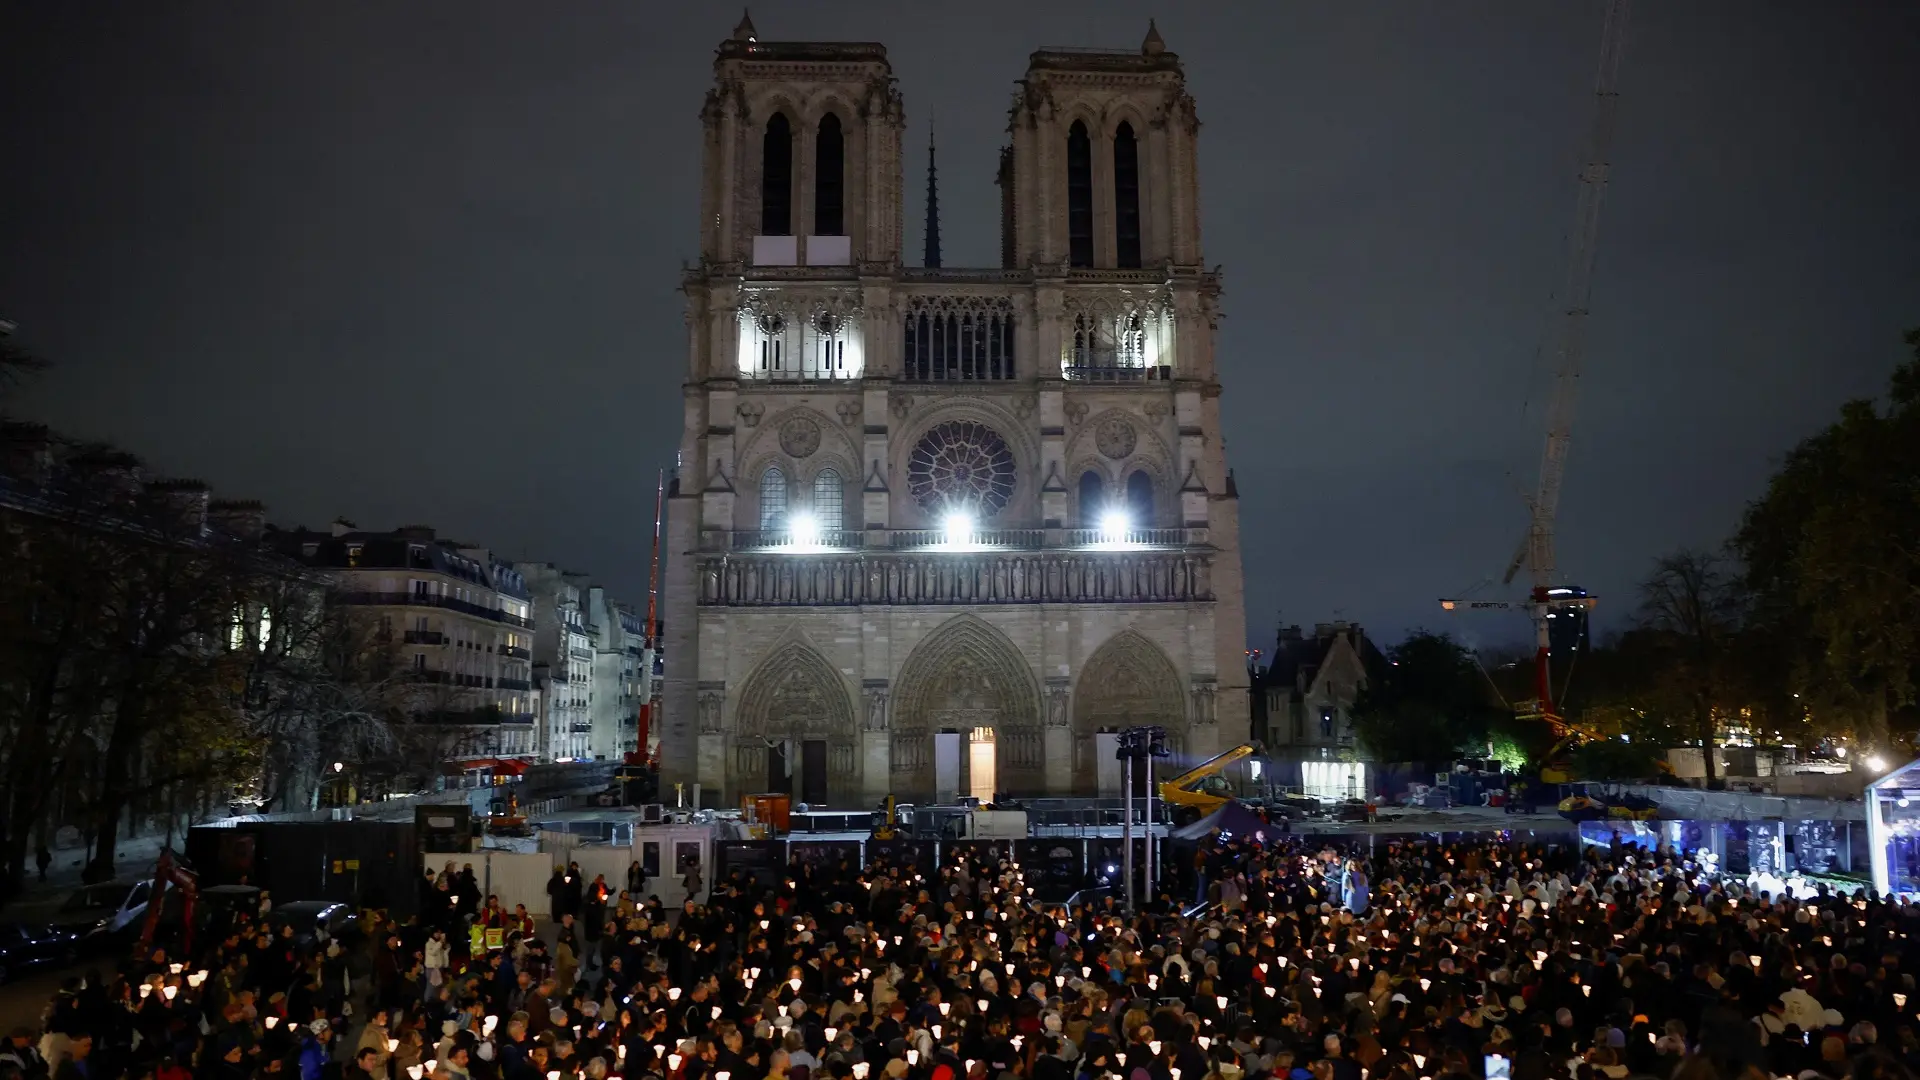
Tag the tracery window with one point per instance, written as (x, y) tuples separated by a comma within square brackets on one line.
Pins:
[(1140, 499), (961, 465), (829, 174), (776, 178), (784, 339), (952, 338), (829, 507), (1093, 498), (773, 499), (1079, 195), (1126, 196), (1120, 339)]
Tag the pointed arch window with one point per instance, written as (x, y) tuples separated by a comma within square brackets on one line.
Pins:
[(776, 178), (1093, 497), (1140, 499), (773, 499), (829, 506), (1126, 196), (1079, 195), (829, 179), (953, 338)]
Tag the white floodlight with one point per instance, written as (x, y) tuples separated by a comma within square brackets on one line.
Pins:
[(959, 528), (803, 530)]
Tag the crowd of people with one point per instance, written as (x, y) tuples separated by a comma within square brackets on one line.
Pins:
[(1468, 961)]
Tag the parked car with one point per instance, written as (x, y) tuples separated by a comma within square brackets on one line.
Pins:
[(107, 915), (24, 946), (318, 921)]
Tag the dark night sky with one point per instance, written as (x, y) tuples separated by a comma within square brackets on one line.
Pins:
[(417, 262)]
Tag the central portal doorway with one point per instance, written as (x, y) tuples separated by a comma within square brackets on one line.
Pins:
[(813, 772), (980, 764)]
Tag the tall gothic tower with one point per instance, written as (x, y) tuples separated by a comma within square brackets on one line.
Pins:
[(934, 528)]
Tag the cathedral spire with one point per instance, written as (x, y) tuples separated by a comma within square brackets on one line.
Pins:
[(932, 259), (744, 31), (1154, 44)]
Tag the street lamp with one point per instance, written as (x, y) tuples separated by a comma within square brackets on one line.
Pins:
[(339, 766)]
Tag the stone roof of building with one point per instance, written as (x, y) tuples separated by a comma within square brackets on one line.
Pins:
[(1297, 657)]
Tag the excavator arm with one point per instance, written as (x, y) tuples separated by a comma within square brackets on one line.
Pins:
[(1186, 788)]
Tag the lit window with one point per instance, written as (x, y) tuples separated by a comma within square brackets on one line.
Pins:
[(773, 499), (828, 500)]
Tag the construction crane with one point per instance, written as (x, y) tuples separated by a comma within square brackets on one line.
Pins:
[(1546, 601)]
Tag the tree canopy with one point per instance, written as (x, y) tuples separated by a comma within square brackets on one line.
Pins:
[(1429, 700)]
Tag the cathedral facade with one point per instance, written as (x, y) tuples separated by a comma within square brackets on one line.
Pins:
[(921, 508)]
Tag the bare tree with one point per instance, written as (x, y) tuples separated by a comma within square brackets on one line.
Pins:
[(323, 684), (1695, 606)]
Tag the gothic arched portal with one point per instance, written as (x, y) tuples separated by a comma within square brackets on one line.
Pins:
[(1127, 682), (792, 698), (967, 675)]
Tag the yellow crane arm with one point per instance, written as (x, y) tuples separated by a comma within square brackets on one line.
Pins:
[(1180, 788)]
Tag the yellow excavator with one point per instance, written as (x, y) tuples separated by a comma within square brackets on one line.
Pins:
[(886, 821), (1201, 790)]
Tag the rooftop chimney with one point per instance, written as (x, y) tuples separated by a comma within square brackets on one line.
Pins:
[(242, 519), (183, 502), (26, 453), (105, 473)]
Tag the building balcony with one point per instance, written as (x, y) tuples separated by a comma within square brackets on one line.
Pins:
[(425, 637), (1114, 373), (580, 728), (515, 651), (479, 716), (449, 603), (513, 684)]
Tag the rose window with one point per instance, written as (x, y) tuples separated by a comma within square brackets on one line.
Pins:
[(961, 465)]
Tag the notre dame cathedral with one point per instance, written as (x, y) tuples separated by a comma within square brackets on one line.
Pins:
[(935, 527)]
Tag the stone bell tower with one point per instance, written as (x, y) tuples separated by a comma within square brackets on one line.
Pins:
[(801, 154)]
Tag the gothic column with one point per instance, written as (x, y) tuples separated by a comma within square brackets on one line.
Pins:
[(712, 770), (876, 746), (1059, 736), (1203, 726)]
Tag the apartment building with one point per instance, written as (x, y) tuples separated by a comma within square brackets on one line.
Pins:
[(619, 640), (461, 620), (562, 662)]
